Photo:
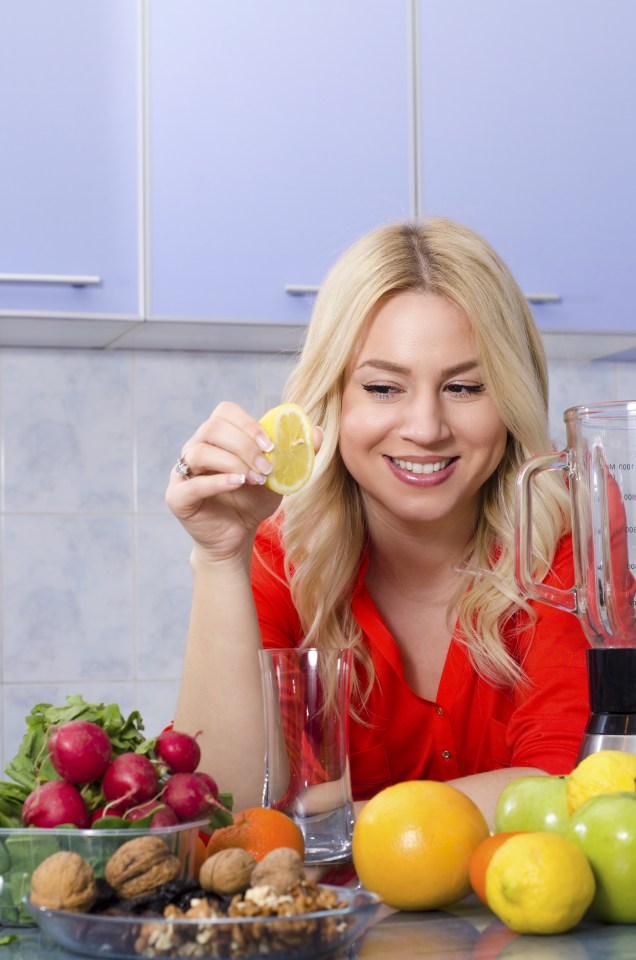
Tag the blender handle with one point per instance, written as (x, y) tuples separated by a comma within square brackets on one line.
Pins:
[(555, 596)]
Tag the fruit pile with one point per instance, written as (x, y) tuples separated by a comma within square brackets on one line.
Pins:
[(562, 845), (84, 765)]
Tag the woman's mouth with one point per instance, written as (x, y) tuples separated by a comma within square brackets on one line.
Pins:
[(422, 468)]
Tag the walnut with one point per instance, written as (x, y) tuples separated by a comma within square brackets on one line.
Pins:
[(64, 881), (280, 869), (141, 865), (227, 871)]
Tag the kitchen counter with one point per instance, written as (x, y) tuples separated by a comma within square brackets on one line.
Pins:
[(467, 931)]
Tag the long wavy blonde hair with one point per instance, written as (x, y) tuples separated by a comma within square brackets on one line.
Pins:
[(323, 526)]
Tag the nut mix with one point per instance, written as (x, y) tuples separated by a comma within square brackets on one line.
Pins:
[(141, 882)]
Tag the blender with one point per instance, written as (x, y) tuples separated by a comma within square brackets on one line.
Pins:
[(600, 461)]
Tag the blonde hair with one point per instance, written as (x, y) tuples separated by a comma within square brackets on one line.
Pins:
[(323, 526)]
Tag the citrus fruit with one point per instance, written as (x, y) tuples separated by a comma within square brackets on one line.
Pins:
[(481, 857), (292, 458), (258, 830), (607, 771), (412, 843), (539, 882)]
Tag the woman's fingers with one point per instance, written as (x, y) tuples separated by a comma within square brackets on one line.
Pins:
[(230, 441)]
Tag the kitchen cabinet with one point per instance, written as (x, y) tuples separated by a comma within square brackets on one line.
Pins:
[(528, 134), (69, 164), (279, 132)]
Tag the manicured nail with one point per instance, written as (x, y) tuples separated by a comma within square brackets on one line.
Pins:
[(256, 477), (265, 442), (235, 479), (263, 465)]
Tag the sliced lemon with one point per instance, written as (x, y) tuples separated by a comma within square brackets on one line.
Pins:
[(292, 458)]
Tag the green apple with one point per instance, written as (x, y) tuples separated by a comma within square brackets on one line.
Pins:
[(533, 803), (604, 827)]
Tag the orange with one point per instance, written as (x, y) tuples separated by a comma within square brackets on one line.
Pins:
[(412, 843), (480, 858), (258, 830)]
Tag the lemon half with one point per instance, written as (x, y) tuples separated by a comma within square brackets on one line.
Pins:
[(292, 458)]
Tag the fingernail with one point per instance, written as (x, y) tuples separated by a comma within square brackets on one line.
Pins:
[(256, 477), (263, 465), (235, 479), (264, 442)]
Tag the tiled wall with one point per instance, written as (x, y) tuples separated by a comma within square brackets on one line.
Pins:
[(94, 573)]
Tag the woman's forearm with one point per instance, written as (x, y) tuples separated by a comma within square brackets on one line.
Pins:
[(220, 692), (483, 788)]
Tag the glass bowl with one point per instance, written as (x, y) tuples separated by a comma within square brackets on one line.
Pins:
[(296, 937), (23, 849)]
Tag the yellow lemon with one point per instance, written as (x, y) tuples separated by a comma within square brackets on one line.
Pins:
[(607, 771), (539, 882), (412, 843), (292, 458)]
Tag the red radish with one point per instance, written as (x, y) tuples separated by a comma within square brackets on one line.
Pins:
[(210, 783), (55, 803), (130, 780), (188, 795), (164, 816), (179, 751), (79, 750)]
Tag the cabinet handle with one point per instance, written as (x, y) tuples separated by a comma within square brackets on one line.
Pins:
[(69, 281), (300, 289), (543, 297)]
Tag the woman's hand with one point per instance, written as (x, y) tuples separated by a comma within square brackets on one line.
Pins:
[(224, 499)]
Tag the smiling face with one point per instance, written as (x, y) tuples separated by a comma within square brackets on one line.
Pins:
[(419, 430)]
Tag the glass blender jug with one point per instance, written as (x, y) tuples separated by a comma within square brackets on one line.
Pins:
[(600, 460)]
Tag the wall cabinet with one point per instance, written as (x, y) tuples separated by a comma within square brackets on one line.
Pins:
[(69, 164), (279, 133), (528, 134)]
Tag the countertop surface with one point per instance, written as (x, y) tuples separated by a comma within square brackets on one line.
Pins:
[(466, 931)]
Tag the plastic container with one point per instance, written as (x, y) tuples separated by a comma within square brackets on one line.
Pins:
[(22, 850)]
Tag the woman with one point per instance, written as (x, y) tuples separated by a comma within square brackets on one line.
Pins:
[(425, 373)]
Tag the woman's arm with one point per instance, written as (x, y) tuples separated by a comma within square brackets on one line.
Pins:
[(484, 788), (220, 691)]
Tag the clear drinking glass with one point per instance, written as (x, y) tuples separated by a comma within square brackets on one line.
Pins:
[(306, 703)]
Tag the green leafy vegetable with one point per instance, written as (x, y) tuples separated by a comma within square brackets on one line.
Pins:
[(32, 766)]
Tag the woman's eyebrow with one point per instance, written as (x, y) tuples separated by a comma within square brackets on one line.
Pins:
[(391, 367)]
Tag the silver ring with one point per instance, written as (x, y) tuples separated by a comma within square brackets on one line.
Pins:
[(182, 469)]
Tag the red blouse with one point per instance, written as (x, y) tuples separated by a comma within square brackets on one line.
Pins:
[(471, 727)]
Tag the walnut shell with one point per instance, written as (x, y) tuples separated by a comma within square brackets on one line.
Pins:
[(227, 871), (280, 869), (64, 881), (141, 865)]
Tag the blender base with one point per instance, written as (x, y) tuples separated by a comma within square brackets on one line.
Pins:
[(612, 689), (608, 731)]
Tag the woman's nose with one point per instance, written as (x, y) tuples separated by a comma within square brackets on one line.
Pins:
[(424, 421)]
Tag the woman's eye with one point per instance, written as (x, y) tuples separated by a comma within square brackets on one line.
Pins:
[(465, 389), (380, 389)]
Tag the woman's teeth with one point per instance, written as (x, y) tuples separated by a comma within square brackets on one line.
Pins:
[(421, 467)]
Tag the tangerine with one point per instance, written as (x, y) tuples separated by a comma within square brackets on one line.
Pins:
[(412, 843), (258, 830), (480, 858)]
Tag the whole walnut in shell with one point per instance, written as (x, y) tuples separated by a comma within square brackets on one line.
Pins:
[(227, 871), (280, 869), (141, 865), (64, 881)]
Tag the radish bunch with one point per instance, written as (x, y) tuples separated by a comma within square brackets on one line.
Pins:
[(160, 787)]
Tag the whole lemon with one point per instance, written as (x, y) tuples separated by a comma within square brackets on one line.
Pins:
[(539, 882), (607, 771), (412, 843)]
